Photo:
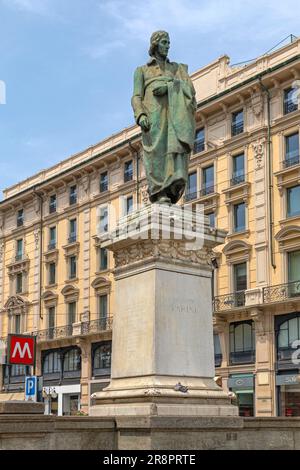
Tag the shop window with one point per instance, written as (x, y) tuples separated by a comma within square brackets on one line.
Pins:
[(72, 361), (102, 359), (51, 363), (242, 342), (217, 351)]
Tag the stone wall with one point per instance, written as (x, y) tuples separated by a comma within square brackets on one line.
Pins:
[(39, 432)]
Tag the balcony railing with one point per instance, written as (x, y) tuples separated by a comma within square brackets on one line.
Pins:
[(237, 179), (72, 238), (290, 161), (52, 245), (128, 176), (281, 292), (83, 328), (207, 190), (102, 324), (290, 106), (199, 146), (237, 128), (73, 199), (242, 357), (218, 360), (229, 301), (190, 196), (103, 186)]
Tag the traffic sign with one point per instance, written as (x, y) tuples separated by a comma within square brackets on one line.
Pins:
[(21, 349), (31, 388)]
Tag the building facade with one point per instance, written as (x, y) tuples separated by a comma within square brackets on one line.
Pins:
[(56, 280)]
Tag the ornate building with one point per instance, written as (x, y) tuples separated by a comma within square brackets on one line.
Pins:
[(56, 280)]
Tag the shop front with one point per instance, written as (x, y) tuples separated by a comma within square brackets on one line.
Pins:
[(288, 393), (62, 400), (243, 387)]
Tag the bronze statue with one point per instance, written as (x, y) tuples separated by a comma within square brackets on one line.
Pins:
[(164, 107)]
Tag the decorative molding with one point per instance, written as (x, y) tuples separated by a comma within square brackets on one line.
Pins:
[(160, 249), (70, 293), (237, 250), (259, 153), (257, 103), (36, 235), (16, 305)]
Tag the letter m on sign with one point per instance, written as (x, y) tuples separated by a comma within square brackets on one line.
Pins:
[(21, 349)]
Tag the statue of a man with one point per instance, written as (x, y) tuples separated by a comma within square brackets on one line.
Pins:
[(164, 107)]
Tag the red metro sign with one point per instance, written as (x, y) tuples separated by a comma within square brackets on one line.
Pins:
[(21, 350)]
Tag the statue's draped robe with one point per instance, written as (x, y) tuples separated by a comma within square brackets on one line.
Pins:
[(172, 118)]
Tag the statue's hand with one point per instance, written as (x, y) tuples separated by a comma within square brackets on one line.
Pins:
[(160, 91), (144, 123)]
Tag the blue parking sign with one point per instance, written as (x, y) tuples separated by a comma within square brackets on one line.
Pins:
[(31, 388)]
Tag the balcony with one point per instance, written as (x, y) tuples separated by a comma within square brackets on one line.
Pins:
[(128, 176), (52, 245), (218, 360), (77, 329), (73, 199), (242, 357), (207, 190), (103, 186), (290, 161), (230, 301), (281, 292), (72, 238)]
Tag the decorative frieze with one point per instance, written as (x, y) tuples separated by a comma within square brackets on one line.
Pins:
[(259, 153)]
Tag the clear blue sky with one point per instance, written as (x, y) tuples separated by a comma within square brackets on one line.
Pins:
[(68, 64)]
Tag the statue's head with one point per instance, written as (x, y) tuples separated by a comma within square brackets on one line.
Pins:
[(159, 42)]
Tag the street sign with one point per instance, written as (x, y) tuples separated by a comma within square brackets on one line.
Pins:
[(31, 388), (21, 350)]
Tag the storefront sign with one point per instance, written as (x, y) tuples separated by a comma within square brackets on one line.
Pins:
[(242, 382), (287, 379)]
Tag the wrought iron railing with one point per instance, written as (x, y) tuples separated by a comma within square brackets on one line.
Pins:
[(237, 128), (72, 238), (190, 196), (229, 301), (290, 161), (207, 190), (52, 245), (281, 292), (103, 186), (73, 199), (128, 175), (93, 326), (199, 146), (53, 333), (237, 179), (290, 106)]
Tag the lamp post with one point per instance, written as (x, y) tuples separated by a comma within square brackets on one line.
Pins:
[(49, 393)]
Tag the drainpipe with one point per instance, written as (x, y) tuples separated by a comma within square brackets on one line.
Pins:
[(270, 175), (41, 252), (136, 151)]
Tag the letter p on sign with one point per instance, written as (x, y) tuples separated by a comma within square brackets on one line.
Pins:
[(21, 350)]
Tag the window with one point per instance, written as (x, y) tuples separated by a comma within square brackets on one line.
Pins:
[(103, 219), (72, 361), (73, 195), (52, 273), (52, 203), (211, 219), (102, 358), (291, 150), (208, 180), (240, 283), (73, 230), (19, 283), (103, 259), (293, 201), (290, 103), (237, 124), (20, 217), (72, 266), (129, 204), (294, 273), (51, 322), (238, 169), (71, 313), (52, 238), (17, 370), (19, 251), (103, 306), (17, 324), (191, 191), (242, 342), (128, 171), (217, 350), (103, 182), (51, 363), (199, 144), (288, 331), (239, 217)]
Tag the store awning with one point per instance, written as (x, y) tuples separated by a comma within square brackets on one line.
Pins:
[(12, 396)]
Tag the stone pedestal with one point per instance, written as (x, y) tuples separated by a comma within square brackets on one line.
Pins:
[(163, 357)]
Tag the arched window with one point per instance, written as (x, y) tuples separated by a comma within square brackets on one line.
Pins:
[(72, 360), (51, 363), (288, 331), (242, 342), (102, 359)]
